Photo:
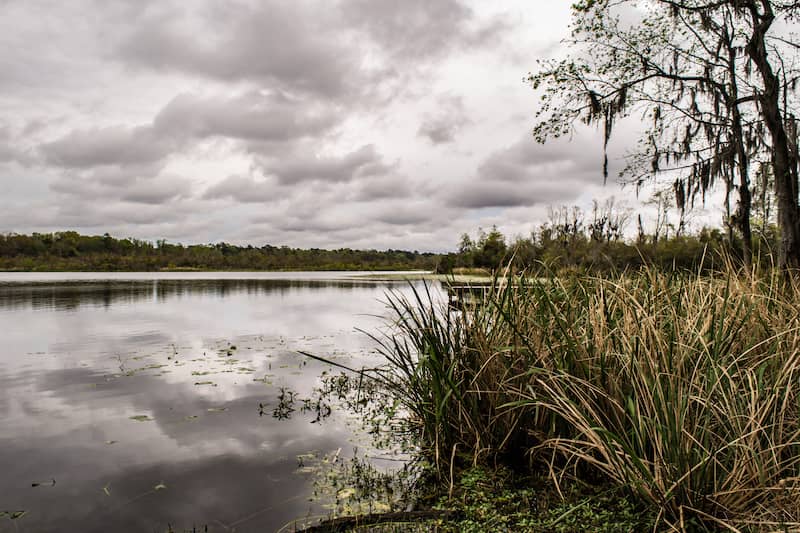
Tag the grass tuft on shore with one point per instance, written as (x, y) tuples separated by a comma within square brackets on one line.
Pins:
[(682, 391)]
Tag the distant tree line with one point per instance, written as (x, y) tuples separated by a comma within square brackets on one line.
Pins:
[(575, 240), (69, 250), (570, 239)]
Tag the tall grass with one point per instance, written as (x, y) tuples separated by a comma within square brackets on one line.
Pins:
[(438, 367), (683, 390)]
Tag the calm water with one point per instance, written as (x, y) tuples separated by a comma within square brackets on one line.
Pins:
[(130, 402)]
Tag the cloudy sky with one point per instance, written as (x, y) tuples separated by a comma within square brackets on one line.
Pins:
[(360, 123)]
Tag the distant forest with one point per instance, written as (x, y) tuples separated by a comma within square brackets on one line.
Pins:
[(571, 240), (595, 241), (70, 251)]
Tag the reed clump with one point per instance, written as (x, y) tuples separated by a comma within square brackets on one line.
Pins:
[(683, 390)]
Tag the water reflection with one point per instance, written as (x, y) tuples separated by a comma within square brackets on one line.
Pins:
[(142, 400), (72, 295)]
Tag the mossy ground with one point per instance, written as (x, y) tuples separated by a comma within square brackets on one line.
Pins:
[(497, 500)]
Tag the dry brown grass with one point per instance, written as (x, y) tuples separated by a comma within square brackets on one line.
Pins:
[(683, 389)]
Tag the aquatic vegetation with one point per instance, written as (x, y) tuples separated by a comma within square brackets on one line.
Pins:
[(497, 499), (354, 485), (12, 515), (679, 390)]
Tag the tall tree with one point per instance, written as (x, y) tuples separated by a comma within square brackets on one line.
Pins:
[(762, 17), (687, 66)]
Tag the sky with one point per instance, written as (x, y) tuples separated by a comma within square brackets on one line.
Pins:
[(333, 123)]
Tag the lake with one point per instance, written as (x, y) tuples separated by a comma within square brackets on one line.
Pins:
[(149, 401)]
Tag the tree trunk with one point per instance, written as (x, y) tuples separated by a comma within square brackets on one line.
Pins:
[(785, 183), (744, 223), (744, 207), (745, 197)]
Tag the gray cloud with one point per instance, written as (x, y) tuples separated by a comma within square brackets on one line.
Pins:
[(289, 46), (90, 182), (251, 116), (318, 225), (117, 145), (138, 189), (442, 126), (309, 123), (483, 195), (126, 163), (404, 214), (416, 29), (527, 173), (9, 151), (78, 213), (439, 130), (163, 190), (245, 189), (312, 48), (300, 167), (392, 185), (379, 215), (358, 176)]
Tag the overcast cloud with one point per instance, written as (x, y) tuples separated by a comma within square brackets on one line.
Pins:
[(361, 123)]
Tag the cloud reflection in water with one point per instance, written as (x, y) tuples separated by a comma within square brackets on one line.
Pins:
[(193, 359)]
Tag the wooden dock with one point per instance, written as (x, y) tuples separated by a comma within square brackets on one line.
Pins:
[(466, 295), (470, 294)]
